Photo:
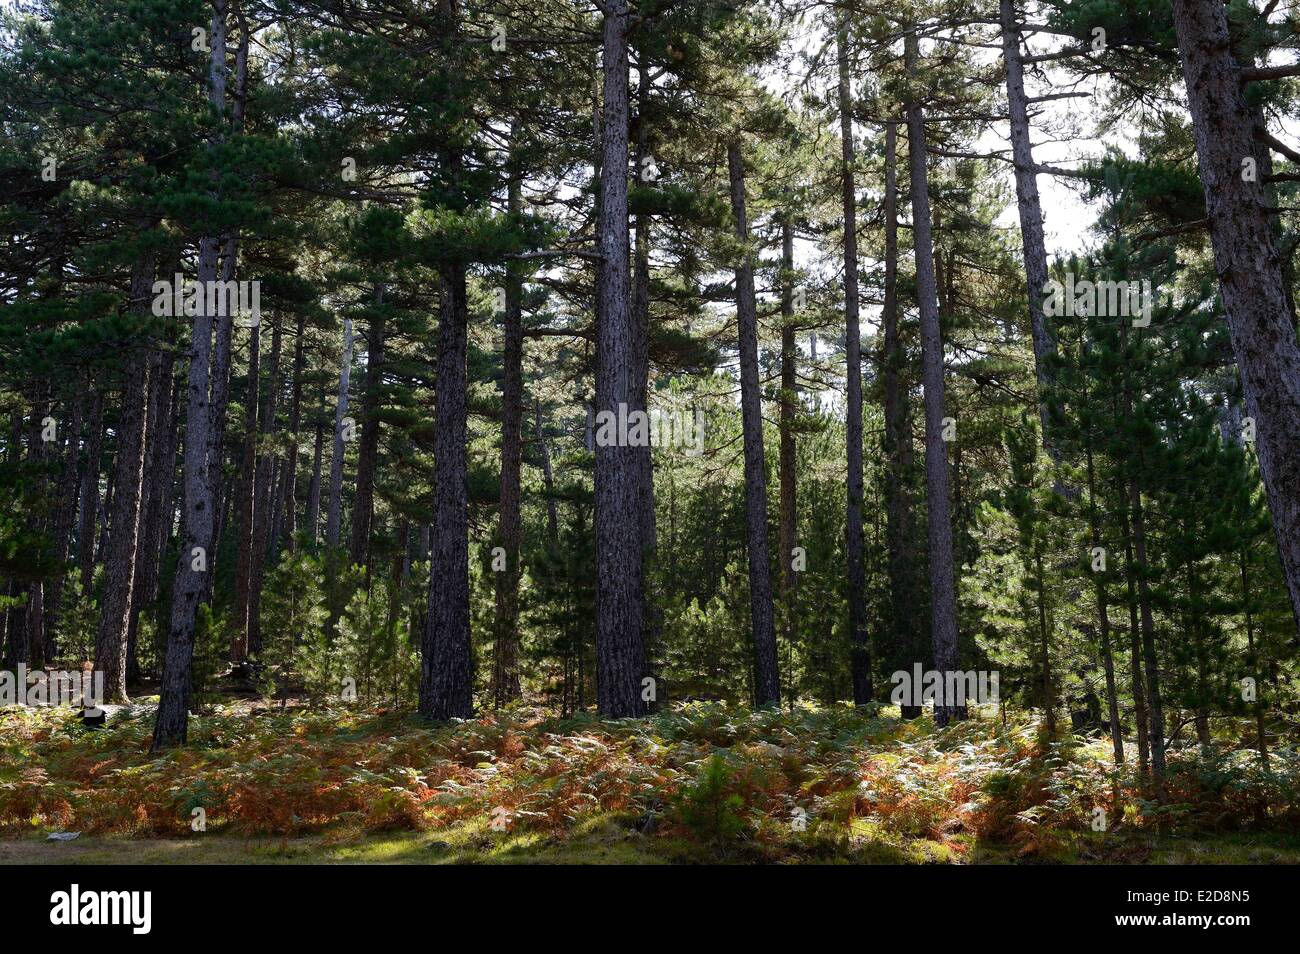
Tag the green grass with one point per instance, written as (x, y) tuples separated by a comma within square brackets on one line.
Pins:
[(606, 842), (598, 841)]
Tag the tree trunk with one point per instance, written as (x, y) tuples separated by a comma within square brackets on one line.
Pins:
[(38, 524), (105, 509), (262, 494), (90, 491), (246, 502), (859, 641), (363, 510), (640, 319), (157, 474), (620, 645), (447, 663), (124, 538), (166, 524), (192, 568), (943, 598), (225, 321), (789, 408), (1139, 569), (287, 525), (313, 489), (1029, 206), (334, 515), (35, 622), (548, 482), (1135, 652), (17, 647), (897, 439), (1103, 615), (1261, 734), (1044, 644), (1155, 709), (505, 653), (64, 517), (447, 678), (767, 682), (1250, 270)]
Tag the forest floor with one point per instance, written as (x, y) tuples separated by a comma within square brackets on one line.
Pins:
[(699, 783)]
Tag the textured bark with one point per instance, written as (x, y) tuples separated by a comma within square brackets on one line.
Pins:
[(505, 651), (447, 662), (620, 644), (172, 724), (219, 400), (787, 476), (767, 681), (447, 675), (363, 509), (334, 513), (859, 640), (897, 437), (1028, 205), (943, 597), (190, 584), (124, 538), (1250, 270)]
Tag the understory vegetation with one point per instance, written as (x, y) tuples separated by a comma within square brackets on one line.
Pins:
[(703, 782)]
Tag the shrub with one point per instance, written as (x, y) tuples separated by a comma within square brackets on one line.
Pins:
[(293, 616), (710, 808), (76, 623)]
